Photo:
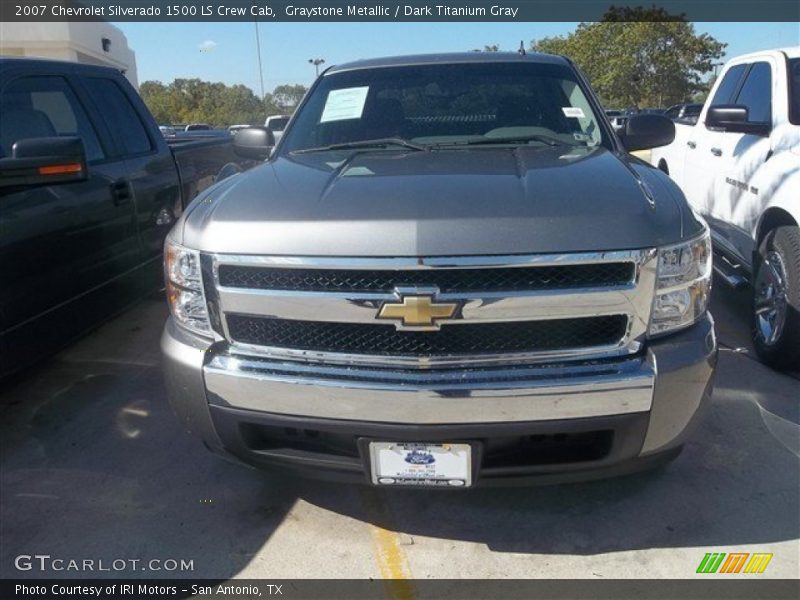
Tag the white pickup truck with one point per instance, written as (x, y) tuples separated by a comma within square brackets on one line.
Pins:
[(739, 167)]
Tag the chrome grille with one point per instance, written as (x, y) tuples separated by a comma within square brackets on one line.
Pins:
[(511, 309)]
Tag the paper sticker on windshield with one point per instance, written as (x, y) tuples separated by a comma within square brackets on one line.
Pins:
[(344, 104), (573, 111)]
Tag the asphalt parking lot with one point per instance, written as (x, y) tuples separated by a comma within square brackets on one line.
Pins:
[(94, 466)]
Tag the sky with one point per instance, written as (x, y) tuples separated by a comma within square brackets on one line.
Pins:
[(227, 51)]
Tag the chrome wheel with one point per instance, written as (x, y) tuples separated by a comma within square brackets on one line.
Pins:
[(770, 299)]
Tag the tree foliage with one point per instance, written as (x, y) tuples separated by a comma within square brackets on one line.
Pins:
[(285, 98), (488, 48), (639, 57), (198, 101)]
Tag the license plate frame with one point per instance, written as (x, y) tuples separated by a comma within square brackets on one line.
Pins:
[(421, 464)]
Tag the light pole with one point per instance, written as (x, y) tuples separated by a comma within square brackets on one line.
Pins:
[(316, 62), (260, 70)]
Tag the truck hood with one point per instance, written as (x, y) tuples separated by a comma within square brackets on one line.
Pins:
[(438, 203)]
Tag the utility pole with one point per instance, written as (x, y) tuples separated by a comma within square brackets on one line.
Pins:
[(260, 70), (316, 62)]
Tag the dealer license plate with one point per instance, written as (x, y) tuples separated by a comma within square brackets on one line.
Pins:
[(407, 463)]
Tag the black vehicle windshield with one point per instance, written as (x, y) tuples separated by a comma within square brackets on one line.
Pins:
[(447, 105)]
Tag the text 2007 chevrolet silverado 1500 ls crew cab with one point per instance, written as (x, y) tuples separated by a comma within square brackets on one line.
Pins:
[(739, 166), (88, 191), (449, 272)]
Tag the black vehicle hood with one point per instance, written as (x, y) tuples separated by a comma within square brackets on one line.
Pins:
[(487, 200)]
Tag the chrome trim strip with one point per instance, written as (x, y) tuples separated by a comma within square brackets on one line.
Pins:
[(430, 262), (476, 306), (453, 396), (633, 299), (440, 361)]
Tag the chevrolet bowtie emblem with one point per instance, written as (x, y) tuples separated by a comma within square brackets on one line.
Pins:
[(418, 312)]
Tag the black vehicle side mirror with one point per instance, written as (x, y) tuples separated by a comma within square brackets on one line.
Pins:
[(254, 142), (44, 161), (734, 118), (643, 132)]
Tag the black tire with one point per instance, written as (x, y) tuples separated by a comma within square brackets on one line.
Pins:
[(779, 253)]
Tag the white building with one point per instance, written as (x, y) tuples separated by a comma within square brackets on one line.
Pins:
[(96, 43)]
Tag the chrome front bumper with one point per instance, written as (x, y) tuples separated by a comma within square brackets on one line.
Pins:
[(665, 386), (497, 395)]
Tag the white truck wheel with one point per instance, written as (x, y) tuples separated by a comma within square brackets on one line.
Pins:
[(776, 299)]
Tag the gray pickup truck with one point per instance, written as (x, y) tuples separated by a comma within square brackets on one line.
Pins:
[(449, 272)]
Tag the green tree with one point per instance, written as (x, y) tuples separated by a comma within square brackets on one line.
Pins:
[(639, 57), (488, 48), (198, 101), (285, 98)]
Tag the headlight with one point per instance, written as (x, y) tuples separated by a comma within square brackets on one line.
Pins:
[(187, 302), (683, 285)]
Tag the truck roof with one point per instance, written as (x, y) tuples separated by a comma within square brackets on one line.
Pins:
[(790, 52), (449, 58)]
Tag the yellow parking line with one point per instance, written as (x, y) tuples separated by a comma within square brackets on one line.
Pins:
[(392, 561)]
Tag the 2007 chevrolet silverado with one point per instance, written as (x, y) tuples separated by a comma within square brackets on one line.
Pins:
[(449, 272)]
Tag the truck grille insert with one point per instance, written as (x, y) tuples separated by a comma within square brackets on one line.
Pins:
[(447, 280), (380, 339)]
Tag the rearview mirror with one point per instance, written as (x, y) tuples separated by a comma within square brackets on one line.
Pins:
[(734, 118), (643, 132), (44, 161), (254, 143)]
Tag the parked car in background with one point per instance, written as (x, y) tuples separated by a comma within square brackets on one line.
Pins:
[(89, 188), (429, 286), (232, 129), (739, 166), (197, 127), (686, 113), (276, 124), (168, 131)]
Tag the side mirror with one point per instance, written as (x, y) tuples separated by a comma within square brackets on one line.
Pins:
[(734, 118), (643, 132), (44, 161), (254, 142)]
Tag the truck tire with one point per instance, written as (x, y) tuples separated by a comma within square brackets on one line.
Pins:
[(776, 299)]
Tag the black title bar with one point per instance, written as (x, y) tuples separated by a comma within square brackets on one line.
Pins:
[(707, 588), (406, 11)]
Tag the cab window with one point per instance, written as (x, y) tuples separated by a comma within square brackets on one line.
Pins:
[(35, 107), (756, 93), (119, 113), (728, 86)]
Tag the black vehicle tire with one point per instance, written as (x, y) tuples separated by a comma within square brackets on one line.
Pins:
[(776, 299)]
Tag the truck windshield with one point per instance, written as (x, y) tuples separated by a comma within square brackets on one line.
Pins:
[(445, 105)]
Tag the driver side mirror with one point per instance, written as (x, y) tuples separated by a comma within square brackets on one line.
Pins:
[(643, 132), (734, 118), (254, 142), (44, 161)]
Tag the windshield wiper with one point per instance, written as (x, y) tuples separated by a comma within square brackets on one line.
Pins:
[(376, 143), (516, 139)]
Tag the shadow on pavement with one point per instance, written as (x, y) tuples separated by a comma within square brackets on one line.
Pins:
[(95, 466)]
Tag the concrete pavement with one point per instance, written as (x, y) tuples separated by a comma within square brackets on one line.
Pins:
[(94, 466)]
